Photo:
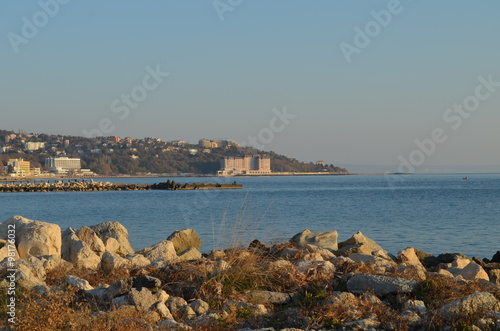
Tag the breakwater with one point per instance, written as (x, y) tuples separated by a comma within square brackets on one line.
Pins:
[(91, 185)]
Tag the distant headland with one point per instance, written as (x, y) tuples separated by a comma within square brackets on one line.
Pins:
[(35, 155)]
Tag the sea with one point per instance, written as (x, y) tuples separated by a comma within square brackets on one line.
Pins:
[(437, 213)]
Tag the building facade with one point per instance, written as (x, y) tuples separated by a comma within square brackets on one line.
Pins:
[(19, 167), (246, 165), (64, 164), (34, 146)]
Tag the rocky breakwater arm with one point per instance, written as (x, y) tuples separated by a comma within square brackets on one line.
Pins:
[(75, 185), (93, 278)]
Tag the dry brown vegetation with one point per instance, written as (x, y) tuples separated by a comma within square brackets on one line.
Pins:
[(229, 275)]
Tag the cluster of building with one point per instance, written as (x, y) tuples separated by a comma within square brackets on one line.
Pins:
[(216, 143), (57, 165), (245, 165)]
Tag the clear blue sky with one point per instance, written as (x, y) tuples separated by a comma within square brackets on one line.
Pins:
[(226, 76)]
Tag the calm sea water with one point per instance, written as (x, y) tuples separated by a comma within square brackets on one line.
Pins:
[(435, 213)]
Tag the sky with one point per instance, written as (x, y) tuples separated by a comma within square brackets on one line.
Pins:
[(410, 86)]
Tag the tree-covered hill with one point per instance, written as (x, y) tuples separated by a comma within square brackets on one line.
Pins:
[(107, 156)]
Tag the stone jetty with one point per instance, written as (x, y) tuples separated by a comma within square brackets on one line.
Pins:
[(91, 278), (91, 185)]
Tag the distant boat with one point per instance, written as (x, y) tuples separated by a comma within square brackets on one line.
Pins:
[(465, 178)]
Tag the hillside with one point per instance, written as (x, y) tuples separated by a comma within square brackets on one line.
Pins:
[(115, 156)]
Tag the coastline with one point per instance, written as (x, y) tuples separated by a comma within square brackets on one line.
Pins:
[(274, 174)]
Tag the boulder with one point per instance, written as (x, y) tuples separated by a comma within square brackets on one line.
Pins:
[(380, 285), (162, 250), (184, 239), (111, 245), (199, 306), (190, 254), (470, 272), (324, 239), (138, 260), (78, 283), (460, 262), (494, 275), (51, 262), (25, 278), (117, 231), (112, 261), (162, 309), (495, 258), (175, 303), (118, 288), (188, 313), (371, 259), (79, 253), (33, 238), (162, 296), (359, 243), (153, 284), (323, 268), (408, 256), (142, 299), (35, 265), (6, 252), (474, 303), (88, 236), (97, 294), (257, 309)]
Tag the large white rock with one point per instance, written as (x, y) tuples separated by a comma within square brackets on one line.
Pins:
[(474, 271), (190, 254), (78, 283), (324, 239), (88, 236), (80, 253), (138, 260), (359, 243), (184, 239), (479, 301), (25, 278), (112, 261), (117, 231), (162, 250), (409, 257), (33, 238)]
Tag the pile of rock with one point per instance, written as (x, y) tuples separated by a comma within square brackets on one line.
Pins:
[(362, 273), (105, 246)]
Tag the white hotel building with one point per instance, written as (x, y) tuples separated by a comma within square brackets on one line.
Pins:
[(64, 164)]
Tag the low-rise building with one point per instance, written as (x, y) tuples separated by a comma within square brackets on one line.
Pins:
[(19, 167)]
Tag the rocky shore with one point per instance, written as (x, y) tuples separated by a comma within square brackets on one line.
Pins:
[(91, 278)]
